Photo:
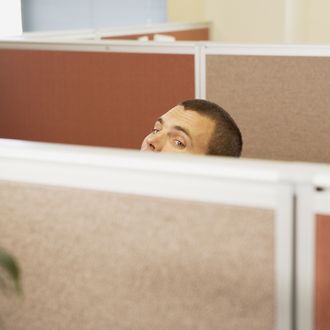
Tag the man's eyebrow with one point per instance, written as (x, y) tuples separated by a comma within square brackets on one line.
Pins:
[(185, 131), (178, 128)]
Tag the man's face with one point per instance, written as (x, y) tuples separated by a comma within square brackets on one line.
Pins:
[(180, 130)]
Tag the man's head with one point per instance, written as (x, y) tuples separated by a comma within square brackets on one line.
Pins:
[(197, 127)]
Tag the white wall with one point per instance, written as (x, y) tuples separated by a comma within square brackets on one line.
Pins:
[(185, 10), (258, 21), (246, 21), (318, 21), (10, 17), (234, 20)]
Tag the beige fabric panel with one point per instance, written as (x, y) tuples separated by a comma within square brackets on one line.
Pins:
[(282, 104), (100, 260)]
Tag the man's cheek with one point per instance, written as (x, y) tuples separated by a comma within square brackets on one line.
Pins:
[(143, 145)]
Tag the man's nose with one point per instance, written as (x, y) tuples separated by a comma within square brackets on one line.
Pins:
[(156, 142)]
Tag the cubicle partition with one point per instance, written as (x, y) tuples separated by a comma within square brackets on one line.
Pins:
[(196, 31), (93, 93), (322, 281), (108, 93), (114, 239), (121, 231), (201, 34), (179, 31), (322, 289), (278, 94), (313, 258)]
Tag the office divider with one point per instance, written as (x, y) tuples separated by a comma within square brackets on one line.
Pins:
[(122, 239), (313, 259), (93, 93), (185, 35), (278, 95), (182, 31), (322, 281), (82, 92)]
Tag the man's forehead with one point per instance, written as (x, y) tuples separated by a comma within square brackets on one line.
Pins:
[(176, 111), (182, 116)]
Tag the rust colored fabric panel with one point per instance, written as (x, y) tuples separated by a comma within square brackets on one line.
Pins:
[(99, 260), (280, 103), (322, 315), (187, 35), (89, 98)]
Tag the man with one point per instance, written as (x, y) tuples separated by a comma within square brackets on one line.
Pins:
[(196, 127)]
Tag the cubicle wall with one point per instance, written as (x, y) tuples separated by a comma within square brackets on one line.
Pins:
[(115, 239), (279, 96), (97, 260), (322, 270), (185, 35), (181, 31), (313, 237), (94, 93), (108, 93), (167, 241)]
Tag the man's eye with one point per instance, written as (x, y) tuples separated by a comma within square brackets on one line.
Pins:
[(155, 130), (179, 144)]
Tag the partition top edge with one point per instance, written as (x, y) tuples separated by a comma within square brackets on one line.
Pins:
[(215, 48), (179, 47), (118, 31), (208, 166), (182, 47)]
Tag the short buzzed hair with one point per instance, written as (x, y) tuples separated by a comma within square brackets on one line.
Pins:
[(226, 139)]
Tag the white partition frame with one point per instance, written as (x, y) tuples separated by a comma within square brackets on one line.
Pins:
[(312, 198), (219, 180)]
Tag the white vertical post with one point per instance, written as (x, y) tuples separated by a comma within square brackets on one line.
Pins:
[(200, 71), (294, 21), (284, 252), (10, 17), (203, 71), (305, 258), (197, 72)]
